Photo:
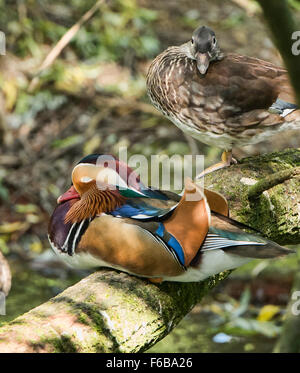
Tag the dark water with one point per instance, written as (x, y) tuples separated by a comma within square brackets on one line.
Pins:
[(195, 333)]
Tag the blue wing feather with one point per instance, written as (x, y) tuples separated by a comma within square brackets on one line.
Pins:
[(136, 208), (142, 203)]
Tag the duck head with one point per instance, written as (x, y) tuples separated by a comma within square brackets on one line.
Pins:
[(96, 183), (204, 48)]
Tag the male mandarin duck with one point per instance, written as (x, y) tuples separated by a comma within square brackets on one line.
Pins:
[(222, 100), (109, 218)]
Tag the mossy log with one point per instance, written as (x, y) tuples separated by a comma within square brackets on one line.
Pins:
[(110, 311), (105, 312), (264, 193)]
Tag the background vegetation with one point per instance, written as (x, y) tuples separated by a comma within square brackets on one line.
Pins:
[(92, 99)]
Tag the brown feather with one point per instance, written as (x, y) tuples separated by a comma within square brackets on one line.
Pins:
[(94, 202), (124, 244), (232, 99), (217, 202), (189, 222)]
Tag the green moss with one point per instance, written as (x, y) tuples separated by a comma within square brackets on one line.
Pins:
[(63, 344), (89, 315), (82, 318), (274, 214), (91, 298)]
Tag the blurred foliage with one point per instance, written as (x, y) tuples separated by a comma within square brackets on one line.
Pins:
[(3, 190), (92, 99), (38, 289), (240, 318), (120, 31), (295, 4), (224, 324)]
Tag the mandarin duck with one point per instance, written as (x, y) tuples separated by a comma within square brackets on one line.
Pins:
[(109, 218), (222, 100)]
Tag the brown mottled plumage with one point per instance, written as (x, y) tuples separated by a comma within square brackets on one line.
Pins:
[(226, 106)]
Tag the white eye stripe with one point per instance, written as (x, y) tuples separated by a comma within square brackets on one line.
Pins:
[(86, 179)]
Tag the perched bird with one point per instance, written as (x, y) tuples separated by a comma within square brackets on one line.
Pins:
[(108, 218), (222, 100)]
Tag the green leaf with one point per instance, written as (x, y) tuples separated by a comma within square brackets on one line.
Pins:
[(68, 141)]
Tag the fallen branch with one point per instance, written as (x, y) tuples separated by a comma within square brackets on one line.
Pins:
[(63, 42), (270, 181)]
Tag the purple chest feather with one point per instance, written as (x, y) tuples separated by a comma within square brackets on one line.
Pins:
[(58, 230)]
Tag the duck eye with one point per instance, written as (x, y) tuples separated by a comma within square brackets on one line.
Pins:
[(214, 40), (192, 40)]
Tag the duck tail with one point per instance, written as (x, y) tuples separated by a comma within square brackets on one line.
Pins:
[(243, 244)]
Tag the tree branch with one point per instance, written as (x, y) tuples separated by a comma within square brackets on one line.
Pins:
[(275, 213), (114, 312), (270, 181), (105, 312)]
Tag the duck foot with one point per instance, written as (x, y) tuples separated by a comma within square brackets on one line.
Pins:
[(226, 161), (282, 108)]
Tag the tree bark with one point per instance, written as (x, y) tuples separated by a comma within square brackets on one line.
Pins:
[(105, 312), (264, 193), (115, 312)]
